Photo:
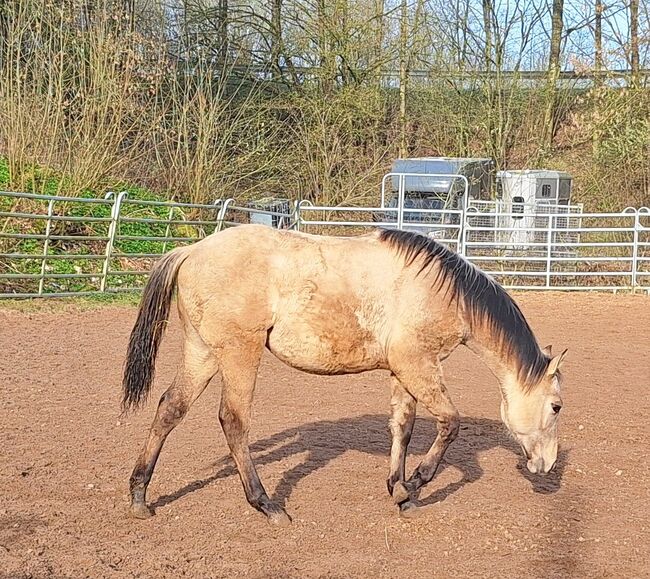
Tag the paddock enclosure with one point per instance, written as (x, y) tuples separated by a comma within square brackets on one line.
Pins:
[(321, 445)]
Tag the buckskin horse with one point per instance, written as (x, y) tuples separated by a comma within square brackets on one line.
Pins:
[(391, 300)]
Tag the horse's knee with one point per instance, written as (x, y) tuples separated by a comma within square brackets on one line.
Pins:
[(451, 427), (397, 426), (401, 423), (231, 421)]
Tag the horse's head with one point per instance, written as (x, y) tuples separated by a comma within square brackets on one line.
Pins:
[(531, 415)]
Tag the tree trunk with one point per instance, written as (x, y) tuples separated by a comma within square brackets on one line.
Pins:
[(324, 49), (129, 13), (487, 25), (598, 42), (378, 49), (488, 80), (550, 115), (634, 42), (4, 32), (598, 75), (403, 77), (343, 48), (222, 31), (276, 38)]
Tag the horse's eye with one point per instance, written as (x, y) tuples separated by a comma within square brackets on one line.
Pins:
[(556, 407)]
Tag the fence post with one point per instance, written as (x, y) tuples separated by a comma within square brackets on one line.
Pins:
[(297, 205), (222, 213), (383, 191), (635, 249), (168, 228), (46, 245), (461, 232), (217, 207), (112, 230), (549, 239), (400, 201)]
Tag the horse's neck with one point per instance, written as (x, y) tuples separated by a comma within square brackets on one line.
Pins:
[(494, 359)]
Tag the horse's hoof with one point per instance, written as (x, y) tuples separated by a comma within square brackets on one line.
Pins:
[(140, 511), (400, 494), (409, 510), (279, 519)]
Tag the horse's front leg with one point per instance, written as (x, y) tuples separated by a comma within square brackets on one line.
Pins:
[(431, 392), (401, 427)]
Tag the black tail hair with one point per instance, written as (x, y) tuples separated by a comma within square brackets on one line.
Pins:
[(149, 329)]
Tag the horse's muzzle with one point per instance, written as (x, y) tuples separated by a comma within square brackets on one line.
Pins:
[(538, 466)]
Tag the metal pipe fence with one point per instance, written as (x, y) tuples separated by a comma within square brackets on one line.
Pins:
[(62, 246)]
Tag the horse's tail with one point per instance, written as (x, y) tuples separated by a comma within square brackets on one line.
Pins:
[(149, 329)]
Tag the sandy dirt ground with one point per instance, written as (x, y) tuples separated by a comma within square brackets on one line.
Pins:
[(321, 445)]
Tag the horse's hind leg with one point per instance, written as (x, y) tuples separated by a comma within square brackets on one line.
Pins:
[(198, 367), (401, 426), (427, 387), (239, 363)]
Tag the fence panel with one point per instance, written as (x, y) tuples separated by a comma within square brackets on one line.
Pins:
[(555, 251), (52, 245), (61, 246), (442, 225), (283, 217)]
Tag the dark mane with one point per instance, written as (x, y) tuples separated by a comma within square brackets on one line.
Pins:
[(488, 304)]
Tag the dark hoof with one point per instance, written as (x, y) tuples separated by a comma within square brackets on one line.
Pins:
[(409, 510), (275, 514), (140, 511), (400, 493), (279, 519)]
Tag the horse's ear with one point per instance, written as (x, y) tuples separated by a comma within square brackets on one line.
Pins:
[(547, 351), (554, 364)]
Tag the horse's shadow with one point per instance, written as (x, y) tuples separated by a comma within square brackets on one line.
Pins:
[(327, 440)]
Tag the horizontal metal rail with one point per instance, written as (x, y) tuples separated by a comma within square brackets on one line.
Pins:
[(54, 294), (559, 273), (167, 204), (71, 218), (48, 198), (50, 276), (160, 238), (168, 221), (497, 272), (67, 256), (6, 235), (556, 259)]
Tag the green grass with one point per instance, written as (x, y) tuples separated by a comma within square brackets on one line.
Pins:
[(4, 174), (82, 303)]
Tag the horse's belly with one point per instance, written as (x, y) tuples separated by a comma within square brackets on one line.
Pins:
[(321, 352)]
